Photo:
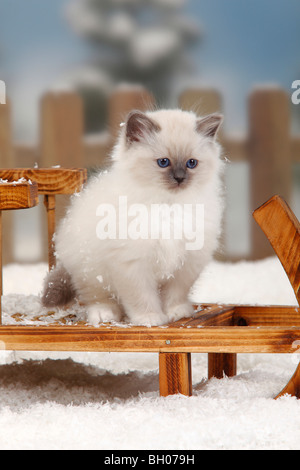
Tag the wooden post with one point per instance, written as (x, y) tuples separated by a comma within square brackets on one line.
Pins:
[(125, 99), (175, 374), (220, 364), (49, 201), (269, 154)]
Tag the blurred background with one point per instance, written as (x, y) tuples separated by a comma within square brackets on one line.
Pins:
[(221, 52)]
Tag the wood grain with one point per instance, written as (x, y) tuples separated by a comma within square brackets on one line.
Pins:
[(175, 374), (49, 180), (266, 315), (18, 195), (221, 364), (155, 339)]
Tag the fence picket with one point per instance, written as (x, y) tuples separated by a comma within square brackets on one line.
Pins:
[(7, 159), (269, 154)]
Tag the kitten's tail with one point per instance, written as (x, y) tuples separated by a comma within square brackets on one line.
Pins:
[(58, 288)]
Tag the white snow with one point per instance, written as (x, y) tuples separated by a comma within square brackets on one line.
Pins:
[(149, 46), (111, 400)]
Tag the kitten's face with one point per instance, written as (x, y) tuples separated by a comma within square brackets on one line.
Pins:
[(171, 149)]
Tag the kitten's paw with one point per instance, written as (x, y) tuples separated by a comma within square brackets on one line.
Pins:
[(150, 319), (101, 313), (180, 311)]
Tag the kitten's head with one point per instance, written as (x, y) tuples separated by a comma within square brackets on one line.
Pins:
[(169, 149)]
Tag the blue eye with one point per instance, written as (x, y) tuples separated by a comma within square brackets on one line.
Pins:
[(163, 162), (191, 163)]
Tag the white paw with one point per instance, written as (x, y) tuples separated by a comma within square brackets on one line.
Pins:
[(150, 319), (180, 311), (100, 313)]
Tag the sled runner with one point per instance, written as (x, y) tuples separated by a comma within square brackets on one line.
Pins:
[(222, 331)]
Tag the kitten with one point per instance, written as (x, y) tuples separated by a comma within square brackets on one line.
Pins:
[(166, 158)]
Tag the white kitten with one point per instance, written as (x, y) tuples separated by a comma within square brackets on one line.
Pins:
[(118, 250)]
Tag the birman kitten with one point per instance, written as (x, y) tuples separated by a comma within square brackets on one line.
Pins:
[(137, 237)]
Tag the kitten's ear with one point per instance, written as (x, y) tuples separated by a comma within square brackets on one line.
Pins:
[(209, 125), (139, 126)]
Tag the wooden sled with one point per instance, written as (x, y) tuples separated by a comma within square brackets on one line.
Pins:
[(222, 331)]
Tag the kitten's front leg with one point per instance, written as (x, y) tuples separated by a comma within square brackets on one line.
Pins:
[(175, 293), (139, 296)]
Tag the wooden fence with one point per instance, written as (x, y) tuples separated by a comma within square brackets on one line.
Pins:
[(269, 149)]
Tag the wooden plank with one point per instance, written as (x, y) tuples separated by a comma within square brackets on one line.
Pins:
[(282, 229), (18, 195), (175, 374), (156, 339), (269, 154), (49, 180)]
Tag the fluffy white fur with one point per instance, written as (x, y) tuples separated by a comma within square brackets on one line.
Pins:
[(147, 280)]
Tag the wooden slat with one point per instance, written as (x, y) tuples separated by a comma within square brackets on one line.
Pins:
[(282, 228), (18, 195), (49, 180), (243, 339), (252, 315)]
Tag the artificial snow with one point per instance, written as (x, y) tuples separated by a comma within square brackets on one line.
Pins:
[(111, 401)]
